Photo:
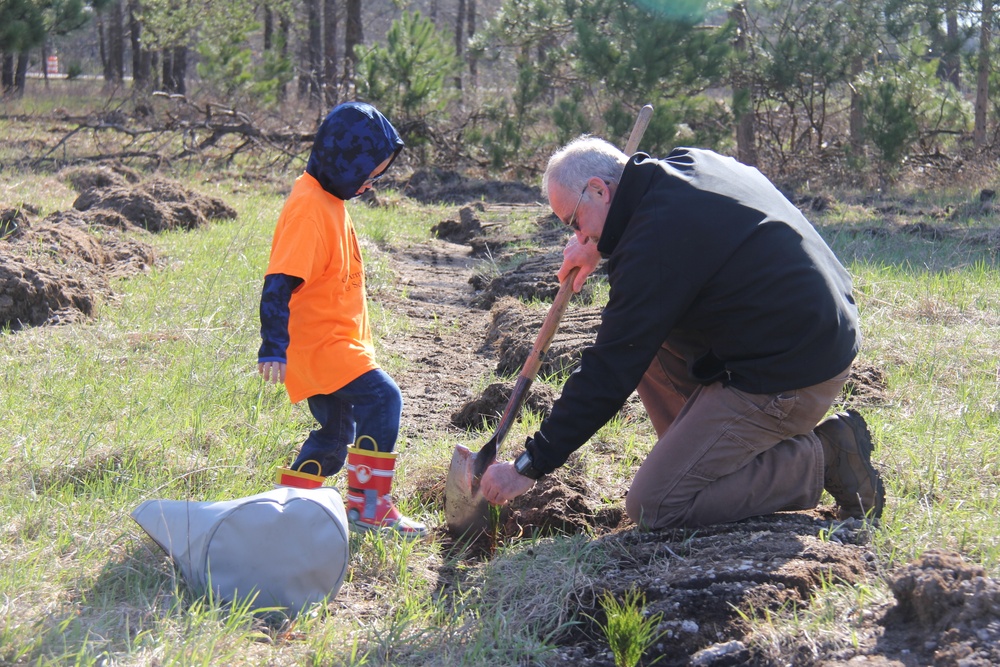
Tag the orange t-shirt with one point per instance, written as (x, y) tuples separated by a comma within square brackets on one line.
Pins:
[(330, 343)]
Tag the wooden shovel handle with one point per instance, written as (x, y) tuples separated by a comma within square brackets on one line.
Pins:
[(549, 327), (641, 123), (487, 455)]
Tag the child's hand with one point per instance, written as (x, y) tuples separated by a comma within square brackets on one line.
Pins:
[(272, 371)]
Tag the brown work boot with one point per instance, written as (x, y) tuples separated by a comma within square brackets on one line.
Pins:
[(848, 474)]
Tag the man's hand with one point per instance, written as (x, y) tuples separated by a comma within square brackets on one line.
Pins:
[(583, 255), (501, 483), (272, 371)]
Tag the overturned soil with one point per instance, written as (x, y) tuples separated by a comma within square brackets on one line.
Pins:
[(55, 270), (704, 584)]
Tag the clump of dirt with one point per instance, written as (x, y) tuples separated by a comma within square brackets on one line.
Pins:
[(705, 584), (451, 187), (948, 608), (515, 326), (867, 384), (530, 274), (115, 174), (533, 279), (62, 264), (33, 294), (156, 205), (459, 231), (560, 503), (485, 410), (13, 222)]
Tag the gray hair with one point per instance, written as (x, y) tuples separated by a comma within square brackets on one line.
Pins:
[(584, 157)]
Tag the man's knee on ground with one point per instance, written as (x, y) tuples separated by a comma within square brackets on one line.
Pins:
[(654, 515)]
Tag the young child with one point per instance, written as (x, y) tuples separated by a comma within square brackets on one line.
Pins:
[(314, 321)]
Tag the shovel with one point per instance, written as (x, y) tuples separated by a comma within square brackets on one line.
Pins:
[(466, 510)]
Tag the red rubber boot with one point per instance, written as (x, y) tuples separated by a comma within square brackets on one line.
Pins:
[(300, 479), (369, 504)]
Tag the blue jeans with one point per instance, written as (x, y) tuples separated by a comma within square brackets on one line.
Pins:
[(366, 411)]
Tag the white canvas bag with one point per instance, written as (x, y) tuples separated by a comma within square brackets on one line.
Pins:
[(287, 546)]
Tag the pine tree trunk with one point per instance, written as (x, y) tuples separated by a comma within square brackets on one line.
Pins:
[(743, 98), (314, 50), (285, 30), (45, 61), (353, 36), (7, 74), (856, 117), (460, 39), (141, 65), (268, 27), (330, 87), (470, 32), (175, 69), (983, 75), (115, 72), (102, 47), (21, 73), (167, 72), (180, 68), (952, 60)]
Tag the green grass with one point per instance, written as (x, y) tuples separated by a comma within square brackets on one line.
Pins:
[(158, 397), (930, 313)]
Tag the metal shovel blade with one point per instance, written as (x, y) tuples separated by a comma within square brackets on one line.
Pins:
[(465, 508)]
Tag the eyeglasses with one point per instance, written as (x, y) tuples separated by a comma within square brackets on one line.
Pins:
[(371, 181), (572, 222)]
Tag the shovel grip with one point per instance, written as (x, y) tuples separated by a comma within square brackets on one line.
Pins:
[(641, 123)]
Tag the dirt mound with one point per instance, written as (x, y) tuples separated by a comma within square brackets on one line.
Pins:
[(52, 268), (459, 231), (485, 411), (705, 584), (53, 271), (515, 327), (948, 609), (33, 294), (563, 503), (82, 179), (450, 187), (156, 205), (867, 384), (530, 274)]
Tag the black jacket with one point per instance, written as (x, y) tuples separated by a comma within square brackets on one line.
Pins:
[(700, 244)]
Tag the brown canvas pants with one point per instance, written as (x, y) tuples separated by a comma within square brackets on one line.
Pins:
[(723, 454)]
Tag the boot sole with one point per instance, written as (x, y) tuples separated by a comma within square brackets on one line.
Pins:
[(362, 528), (862, 436)]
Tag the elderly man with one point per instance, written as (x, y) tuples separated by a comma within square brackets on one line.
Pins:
[(734, 321)]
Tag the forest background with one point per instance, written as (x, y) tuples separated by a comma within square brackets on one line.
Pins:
[(856, 91)]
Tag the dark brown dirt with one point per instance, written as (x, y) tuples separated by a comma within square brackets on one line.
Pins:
[(705, 583), (53, 271), (450, 187), (485, 411), (155, 205)]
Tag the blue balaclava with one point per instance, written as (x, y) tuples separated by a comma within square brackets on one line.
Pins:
[(353, 139)]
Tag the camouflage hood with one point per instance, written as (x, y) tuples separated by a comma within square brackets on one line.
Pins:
[(352, 140)]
